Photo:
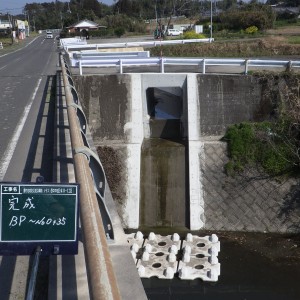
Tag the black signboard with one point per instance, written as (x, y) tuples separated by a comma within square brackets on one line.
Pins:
[(38, 215)]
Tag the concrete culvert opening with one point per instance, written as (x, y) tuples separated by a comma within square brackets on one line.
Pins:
[(165, 109)]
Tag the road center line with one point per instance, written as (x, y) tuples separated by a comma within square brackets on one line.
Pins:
[(5, 160)]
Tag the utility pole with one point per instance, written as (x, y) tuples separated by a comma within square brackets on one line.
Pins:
[(210, 21), (28, 20), (26, 14), (10, 20)]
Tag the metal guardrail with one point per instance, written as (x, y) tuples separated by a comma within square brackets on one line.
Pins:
[(99, 55), (72, 41), (96, 55), (202, 63), (72, 45), (91, 177)]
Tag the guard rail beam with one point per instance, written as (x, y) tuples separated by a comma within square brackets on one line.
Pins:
[(72, 46), (95, 56), (202, 63)]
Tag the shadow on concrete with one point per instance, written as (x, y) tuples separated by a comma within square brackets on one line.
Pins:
[(291, 206), (42, 140)]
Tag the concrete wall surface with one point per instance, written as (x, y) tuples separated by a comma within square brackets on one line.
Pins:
[(248, 202), (116, 109), (228, 100)]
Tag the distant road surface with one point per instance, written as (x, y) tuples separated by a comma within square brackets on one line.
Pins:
[(25, 79)]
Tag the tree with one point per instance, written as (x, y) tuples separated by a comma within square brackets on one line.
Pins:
[(253, 14)]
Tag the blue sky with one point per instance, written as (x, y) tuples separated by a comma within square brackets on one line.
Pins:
[(16, 6)]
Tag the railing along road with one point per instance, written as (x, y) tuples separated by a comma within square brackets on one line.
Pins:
[(101, 277), (240, 65)]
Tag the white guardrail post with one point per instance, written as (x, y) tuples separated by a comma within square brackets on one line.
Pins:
[(289, 66), (121, 66), (162, 66), (246, 66), (80, 67)]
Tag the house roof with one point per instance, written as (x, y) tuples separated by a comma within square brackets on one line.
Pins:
[(85, 24), (291, 10)]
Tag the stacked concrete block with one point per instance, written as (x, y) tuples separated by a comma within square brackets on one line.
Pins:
[(166, 256), (159, 258), (200, 258), (136, 242)]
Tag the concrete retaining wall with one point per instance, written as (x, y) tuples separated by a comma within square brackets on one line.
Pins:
[(116, 109), (228, 100)]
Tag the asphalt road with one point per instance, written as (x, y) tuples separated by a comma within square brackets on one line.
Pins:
[(24, 76), (26, 121)]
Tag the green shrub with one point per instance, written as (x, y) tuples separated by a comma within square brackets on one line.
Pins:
[(259, 15), (264, 144), (119, 31), (100, 32), (192, 35), (123, 21), (251, 30)]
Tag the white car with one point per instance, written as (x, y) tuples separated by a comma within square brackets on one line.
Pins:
[(49, 35), (172, 32)]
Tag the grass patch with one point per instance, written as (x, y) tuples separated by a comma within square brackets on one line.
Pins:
[(8, 46), (286, 22), (229, 35), (5, 41), (247, 48), (293, 39), (260, 144)]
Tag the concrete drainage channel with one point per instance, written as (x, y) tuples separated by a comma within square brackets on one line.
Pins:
[(168, 256)]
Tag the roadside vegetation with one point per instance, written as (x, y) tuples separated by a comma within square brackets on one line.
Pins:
[(273, 145), (294, 40), (9, 45), (267, 46)]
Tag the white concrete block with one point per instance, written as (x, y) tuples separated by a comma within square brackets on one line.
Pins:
[(201, 245), (164, 244), (160, 256), (157, 265)]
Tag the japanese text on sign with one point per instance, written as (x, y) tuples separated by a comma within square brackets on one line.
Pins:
[(38, 212)]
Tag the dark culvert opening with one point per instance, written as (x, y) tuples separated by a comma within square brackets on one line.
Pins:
[(165, 108)]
